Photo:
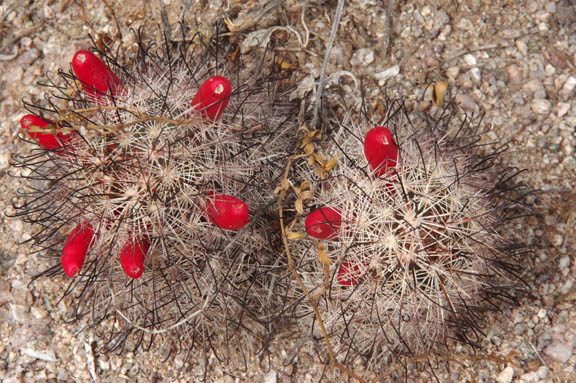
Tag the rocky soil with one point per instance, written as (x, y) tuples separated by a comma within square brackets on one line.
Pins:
[(513, 61)]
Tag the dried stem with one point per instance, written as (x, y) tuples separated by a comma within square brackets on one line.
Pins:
[(294, 272)]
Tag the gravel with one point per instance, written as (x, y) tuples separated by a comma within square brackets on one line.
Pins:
[(513, 61)]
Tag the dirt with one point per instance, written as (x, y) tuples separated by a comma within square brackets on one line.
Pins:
[(514, 62)]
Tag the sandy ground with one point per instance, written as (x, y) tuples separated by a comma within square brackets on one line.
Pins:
[(515, 61)]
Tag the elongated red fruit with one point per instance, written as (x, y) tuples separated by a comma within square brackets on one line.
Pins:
[(132, 257), (380, 150), (76, 248), (324, 223), (48, 141), (348, 274), (226, 211), (96, 77), (212, 97)]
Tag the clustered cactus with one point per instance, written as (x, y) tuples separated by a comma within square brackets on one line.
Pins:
[(152, 185)]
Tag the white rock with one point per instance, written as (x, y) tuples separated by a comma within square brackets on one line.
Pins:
[(270, 377), (542, 313), (535, 376), (39, 312), (559, 351), (443, 36), (179, 361), (506, 375), (104, 364), (453, 72), (563, 109), (46, 355), (386, 74), (541, 106), (564, 263), (18, 313), (465, 24), (534, 87), (567, 286), (4, 160), (475, 72), (16, 225), (362, 57), (543, 27), (62, 375), (569, 88), (470, 60), (522, 47)]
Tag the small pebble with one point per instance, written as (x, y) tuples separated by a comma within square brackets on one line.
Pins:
[(453, 72), (514, 75), (569, 163), (506, 375), (474, 71), (362, 57), (522, 47), (431, 62), (535, 88), (39, 312), (564, 263), (179, 361), (563, 108), (270, 377), (543, 27), (45, 355), (541, 106), (558, 351), (441, 18), (535, 376), (466, 102), (568, 89), (388, 73), (550, 70), (4, 160), (18, 313)]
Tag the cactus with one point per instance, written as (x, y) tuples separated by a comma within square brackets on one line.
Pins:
[(159, 172), (411, 253)]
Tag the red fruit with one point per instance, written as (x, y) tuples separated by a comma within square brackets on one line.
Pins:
[(380, 150), (226, 211), (132, 257), (48, 141), (324, 223), (212, 97), (348, 274), (95, 76), (75, 249)]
